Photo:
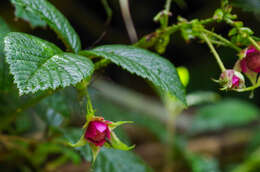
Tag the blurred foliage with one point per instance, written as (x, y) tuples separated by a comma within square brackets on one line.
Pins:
[(247, 5), (225, 114)]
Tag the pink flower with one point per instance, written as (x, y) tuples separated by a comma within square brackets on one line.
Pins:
[(251, 61), (231, 79), (98, 132)]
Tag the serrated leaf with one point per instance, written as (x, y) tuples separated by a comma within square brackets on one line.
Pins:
[(39, 65), (145, 64), (227, 113), (41, 12)]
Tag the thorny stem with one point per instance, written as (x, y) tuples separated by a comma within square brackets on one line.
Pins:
[(213, 50), (224, 40)]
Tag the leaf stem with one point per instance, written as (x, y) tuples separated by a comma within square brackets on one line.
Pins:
[(213, 50), (168, 5), (167, 10), (248, 88), (102, 63), (90, 109)]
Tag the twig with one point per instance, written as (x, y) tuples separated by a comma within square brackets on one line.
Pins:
[(224, 40), (124, 5), (213, 50)]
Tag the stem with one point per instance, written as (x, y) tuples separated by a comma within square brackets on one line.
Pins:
[(171, 29), (129, 24), (224, 40), (254, 43), (102, 63), (207, 21), (174, 108), (221, 65), (248, 37), (167, 10), (168, 5), (108, 10), (248, 88), (90, 109)]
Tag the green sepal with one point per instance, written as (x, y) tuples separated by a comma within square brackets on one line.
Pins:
[(95, 150), (116, 143), (81, 142), (114, 125)]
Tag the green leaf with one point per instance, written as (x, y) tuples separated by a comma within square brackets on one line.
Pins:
[(254, 142), (145, 64), (117, 161), (73, 135), (38, 65), (203, 164), (108, 159), (4, 29), (23, 123), (41, 12), (196, 162), (251, 163), (54, 109), (227, 113)]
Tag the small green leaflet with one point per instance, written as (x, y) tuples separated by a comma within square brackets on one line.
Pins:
[(38, 65), (40, 13), (145, 64)]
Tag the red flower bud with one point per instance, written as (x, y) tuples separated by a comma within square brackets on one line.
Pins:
[(98, 132), (231, 79), (251, 60)]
